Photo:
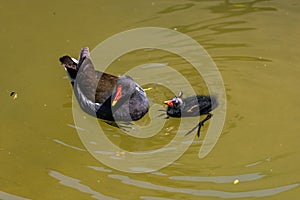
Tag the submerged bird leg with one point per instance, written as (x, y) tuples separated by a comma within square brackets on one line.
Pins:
[(192, 130), (201, 123), (167, 117), (161, 115)]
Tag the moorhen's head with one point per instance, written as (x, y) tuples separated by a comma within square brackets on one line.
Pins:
[(125, 87), (176, 102), (70, 65)]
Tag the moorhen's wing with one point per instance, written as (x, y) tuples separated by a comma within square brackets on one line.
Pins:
[(95, 85), (207, 103), (105, 86), (190, 106), (86, 81), (199, 105)]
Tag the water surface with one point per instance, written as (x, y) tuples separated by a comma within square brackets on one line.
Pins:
[(255, 45)]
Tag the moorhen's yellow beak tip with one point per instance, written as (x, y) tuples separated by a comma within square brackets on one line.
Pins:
[(166, 102), (113, 103)]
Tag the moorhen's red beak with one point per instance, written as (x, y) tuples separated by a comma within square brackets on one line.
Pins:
[(169, 103), (118, 95)]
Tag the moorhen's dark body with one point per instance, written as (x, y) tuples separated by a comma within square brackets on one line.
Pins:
[(191, 106), (103, 95)]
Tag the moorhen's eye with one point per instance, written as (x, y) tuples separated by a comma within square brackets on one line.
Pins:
[(175, 101)]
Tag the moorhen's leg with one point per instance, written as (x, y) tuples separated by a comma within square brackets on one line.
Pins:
[(201, 123)]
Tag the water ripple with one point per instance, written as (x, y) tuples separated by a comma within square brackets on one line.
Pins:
[(154, 198), (7, 196), (76, 127), (101, 169), (207, 193), (175, 8), (67, 145), (75, 183), (220, 179)]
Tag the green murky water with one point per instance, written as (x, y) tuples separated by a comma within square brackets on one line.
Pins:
[(255, 45)]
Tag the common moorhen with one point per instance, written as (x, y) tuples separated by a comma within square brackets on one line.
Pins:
[(192, 106), (103, 95)]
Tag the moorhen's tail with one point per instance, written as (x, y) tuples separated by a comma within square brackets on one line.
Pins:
[(214, 102), (84, 53)]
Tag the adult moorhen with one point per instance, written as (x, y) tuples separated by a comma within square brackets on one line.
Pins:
[(192, 106), (103, 95)]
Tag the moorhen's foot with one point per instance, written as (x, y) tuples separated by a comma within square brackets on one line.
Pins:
[(201, 123)]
